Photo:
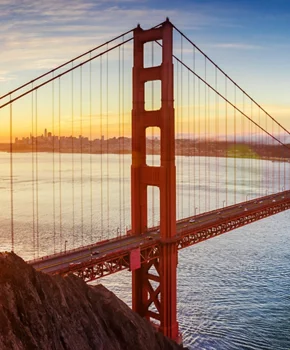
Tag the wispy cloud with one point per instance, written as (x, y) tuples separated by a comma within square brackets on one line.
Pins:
[(5, 76), (237, 46), (37, 33)]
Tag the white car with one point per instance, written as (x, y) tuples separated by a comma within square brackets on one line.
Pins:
[(191, 221), (95, 253)]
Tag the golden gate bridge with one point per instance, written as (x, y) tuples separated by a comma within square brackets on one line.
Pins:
[(151, 148)]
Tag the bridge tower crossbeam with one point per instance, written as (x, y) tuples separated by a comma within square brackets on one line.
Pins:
[(144, 281)]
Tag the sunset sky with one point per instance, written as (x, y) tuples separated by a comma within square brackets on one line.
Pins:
[(249, 40)]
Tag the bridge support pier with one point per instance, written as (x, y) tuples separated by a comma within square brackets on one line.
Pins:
[(154, 286), (154, 291)]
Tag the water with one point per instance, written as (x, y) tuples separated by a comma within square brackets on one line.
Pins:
[(233, 290)]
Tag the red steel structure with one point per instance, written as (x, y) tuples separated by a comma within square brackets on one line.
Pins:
[(161, 270), (115, 254)]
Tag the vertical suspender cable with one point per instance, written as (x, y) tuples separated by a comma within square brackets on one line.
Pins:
[(256, 155), (273, 163), (107, 137), (205, 157), (269, 162), (91, 141), (274, 156), (177, 116), (59, 165), (73, 160), (36, 175), (249, 154), (282, 159), (279, 161), (216, 141), (81, 149), (181, 127), (123, 145), (208, 184), (11, 179), (194, 134), (244, 143), (119, 143), (188, 154), (267, 154), (32, 175), (235, 148), (226, 137), (284, 165), (259, 141), (53, 167), (101, 132), (209, 150), (199, 147), (258, 172), (252, 152)]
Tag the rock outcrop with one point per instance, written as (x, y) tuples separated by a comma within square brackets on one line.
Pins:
[(38, 311)]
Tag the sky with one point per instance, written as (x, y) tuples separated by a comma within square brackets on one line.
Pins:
[(248, 39)]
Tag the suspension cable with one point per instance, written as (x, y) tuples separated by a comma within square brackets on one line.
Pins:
[(230, 103), (65, 72), (229, 77), (66, 63)]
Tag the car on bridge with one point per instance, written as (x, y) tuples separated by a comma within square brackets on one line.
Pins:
[(95, 253)]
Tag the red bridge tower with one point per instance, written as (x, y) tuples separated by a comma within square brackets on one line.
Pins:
[(161, 271)]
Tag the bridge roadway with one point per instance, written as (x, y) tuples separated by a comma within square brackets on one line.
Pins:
[(106, 257)]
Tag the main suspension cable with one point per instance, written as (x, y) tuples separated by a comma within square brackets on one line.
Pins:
[(182, 34)]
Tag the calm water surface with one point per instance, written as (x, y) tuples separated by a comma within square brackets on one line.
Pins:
[(233, 290)]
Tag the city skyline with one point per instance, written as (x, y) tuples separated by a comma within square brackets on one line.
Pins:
[(48, 136)]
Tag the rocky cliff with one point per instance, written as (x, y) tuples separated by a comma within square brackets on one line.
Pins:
[(39, 311)]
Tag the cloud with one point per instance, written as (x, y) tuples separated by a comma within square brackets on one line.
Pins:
[(36, 33), (6, 76), (237, 46)]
